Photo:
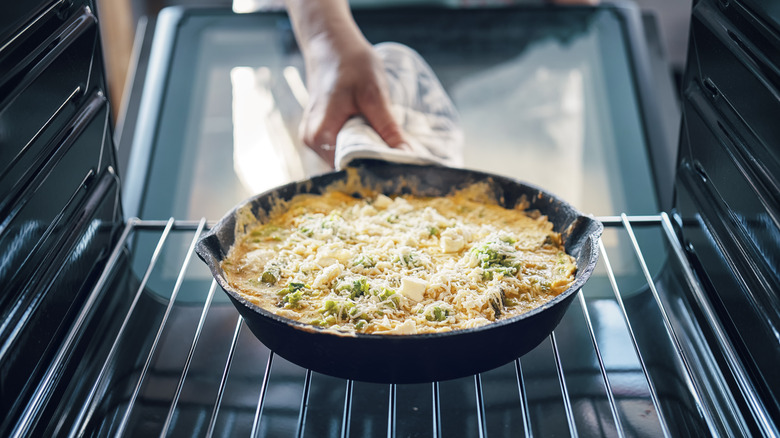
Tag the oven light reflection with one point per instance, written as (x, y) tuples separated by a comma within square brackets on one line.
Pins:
[(264, 155)]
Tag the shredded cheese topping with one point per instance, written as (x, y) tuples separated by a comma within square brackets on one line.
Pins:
[(399, 265)]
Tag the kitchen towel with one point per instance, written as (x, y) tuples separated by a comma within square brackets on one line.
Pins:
[(425, 113)]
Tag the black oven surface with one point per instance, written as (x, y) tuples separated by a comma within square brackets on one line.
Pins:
[(111, 326), (625, 361)]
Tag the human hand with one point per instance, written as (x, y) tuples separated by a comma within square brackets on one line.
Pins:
[(344, 76)]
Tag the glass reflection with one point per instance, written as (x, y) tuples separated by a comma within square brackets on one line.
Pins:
[(264, 155)]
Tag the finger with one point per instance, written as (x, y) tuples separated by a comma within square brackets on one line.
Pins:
[(376, 110), (325, 150), (321, 125), (319, 128)]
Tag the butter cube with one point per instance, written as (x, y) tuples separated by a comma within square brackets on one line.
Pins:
[(451, 241), (382, 201), (407, 328), (412, 288)]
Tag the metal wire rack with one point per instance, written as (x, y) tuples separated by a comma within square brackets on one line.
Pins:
[(627, 360)]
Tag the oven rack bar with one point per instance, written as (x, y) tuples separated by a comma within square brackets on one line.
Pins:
[(87, 418)]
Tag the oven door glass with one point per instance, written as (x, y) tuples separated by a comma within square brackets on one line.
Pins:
[(549, 96)]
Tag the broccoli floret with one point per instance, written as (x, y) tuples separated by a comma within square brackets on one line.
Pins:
[(506, 271), (489, 256), (294, 286), (271, 274), (437, 313), (497, 257), (292, 299), (389, 297), (265, 234), (337, 309), (410, 260), (269, 277), (354, 287), (332, 221), (365, 261), (292, 294), (329, 308)]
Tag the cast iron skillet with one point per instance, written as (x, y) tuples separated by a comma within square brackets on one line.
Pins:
[(422, 357)]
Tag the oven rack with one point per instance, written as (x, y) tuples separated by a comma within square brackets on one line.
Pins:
[(638, 363)]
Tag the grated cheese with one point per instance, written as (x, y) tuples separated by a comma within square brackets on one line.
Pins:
[(399, 265)]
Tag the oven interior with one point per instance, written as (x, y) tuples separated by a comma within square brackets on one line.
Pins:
[(111, 326)]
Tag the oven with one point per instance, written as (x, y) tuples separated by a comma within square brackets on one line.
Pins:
[(111, 326)]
